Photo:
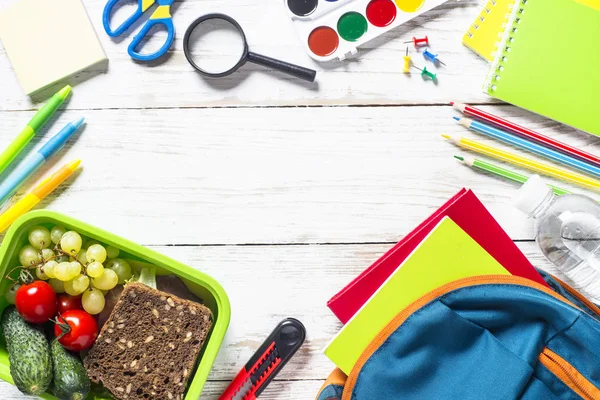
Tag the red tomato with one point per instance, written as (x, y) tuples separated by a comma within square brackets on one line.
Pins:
[(36, 302), (81, 328), (67, 302)]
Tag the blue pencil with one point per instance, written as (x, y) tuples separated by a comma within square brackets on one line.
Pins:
[(16, 178), (530, 146)]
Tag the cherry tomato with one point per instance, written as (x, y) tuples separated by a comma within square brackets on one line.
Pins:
[(36, 302), (80, 327), (67, 302)]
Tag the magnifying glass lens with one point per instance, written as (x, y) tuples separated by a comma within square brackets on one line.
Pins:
[(216, 46)]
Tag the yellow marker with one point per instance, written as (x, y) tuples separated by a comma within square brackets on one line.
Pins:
[(407, 62), (37, 194), (525, 162)]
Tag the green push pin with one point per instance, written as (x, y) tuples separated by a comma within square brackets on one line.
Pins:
[(424, 72)]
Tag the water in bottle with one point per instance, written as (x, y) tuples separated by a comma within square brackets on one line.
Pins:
[(567, 229)]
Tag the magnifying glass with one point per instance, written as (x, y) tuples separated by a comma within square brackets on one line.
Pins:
[(215, 45)]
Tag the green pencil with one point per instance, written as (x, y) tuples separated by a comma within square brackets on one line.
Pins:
[(503, 172), (39, 119)]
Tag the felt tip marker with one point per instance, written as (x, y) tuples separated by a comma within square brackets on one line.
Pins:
[(33, 126), (32, 198), (16, 178)]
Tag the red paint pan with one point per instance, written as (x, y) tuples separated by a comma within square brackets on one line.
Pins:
[(381, 12)]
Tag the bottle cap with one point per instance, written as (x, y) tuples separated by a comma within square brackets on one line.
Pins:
[(531, 194)]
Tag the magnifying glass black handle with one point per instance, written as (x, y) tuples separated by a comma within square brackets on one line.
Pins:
[(291, 69)]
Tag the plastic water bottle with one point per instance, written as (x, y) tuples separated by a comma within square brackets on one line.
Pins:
[(567, 229)]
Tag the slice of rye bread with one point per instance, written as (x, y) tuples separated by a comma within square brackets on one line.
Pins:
[(149, 345)]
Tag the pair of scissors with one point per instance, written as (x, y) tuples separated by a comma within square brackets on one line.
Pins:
[(160, 16)]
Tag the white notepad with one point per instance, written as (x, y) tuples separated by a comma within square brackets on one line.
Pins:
[(48, 40)]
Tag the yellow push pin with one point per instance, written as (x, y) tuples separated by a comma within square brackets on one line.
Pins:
[(407, 62)]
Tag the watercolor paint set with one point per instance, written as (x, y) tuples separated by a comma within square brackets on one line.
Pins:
[(333, 29)]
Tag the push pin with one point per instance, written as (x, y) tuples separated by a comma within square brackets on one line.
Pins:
[(432, 57), (419, 42), (425, 73), (407, 62)]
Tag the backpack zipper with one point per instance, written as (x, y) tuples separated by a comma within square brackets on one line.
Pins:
[(578, 296), (429, 297), (569, 375)]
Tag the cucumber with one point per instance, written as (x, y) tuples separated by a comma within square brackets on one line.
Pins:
[(28, 353), (70, 379)]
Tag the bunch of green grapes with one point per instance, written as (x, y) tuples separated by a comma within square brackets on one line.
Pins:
[(88, 269)]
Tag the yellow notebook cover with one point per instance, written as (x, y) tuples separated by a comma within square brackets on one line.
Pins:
[(486, 31), (548, 61), (445, 255)]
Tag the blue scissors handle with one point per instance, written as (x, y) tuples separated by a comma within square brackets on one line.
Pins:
[(143, 5), (133, 47)]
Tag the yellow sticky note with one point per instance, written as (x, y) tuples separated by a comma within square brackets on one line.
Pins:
[(47, 41), (445, 255)]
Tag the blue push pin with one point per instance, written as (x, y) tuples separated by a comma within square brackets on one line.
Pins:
[(432, 57)]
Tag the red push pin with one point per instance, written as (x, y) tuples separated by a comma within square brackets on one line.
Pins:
[(419, 42)]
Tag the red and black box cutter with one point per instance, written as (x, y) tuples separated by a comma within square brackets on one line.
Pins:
[(266, 363)]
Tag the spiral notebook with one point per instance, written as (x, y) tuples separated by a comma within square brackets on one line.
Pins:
[(548, 61), (486, 31)]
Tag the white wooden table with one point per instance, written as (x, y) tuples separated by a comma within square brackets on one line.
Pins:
[(283, 191)]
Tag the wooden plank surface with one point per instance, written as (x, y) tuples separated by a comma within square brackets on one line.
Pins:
[(272, 175), (274, 187), (268, 283), (374, 77)]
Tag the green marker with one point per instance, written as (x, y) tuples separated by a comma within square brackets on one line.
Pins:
[(39, 119)]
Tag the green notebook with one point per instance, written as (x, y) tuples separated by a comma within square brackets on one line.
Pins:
[(445, 255), (548, 61)]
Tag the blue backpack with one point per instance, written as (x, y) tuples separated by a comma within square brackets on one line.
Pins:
[(487, 337)]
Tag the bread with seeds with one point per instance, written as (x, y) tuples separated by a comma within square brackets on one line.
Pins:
[(148, 347)]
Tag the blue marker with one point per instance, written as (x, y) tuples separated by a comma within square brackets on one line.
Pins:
[(16, 178)]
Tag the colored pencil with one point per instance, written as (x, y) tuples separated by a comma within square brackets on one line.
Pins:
[(36, 195), (525, 144), (496, 170), (528, 133), (532, 165)]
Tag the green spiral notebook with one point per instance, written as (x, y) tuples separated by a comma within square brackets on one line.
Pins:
[(548, 61)]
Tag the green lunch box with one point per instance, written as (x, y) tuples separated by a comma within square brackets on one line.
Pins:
[(202, 285)]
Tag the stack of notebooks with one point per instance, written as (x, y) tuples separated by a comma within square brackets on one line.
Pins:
[(543, 56), (459, 240)]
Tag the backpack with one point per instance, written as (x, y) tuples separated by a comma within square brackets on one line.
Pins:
[(484, 337)]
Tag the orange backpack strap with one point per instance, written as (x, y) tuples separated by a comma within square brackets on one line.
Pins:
[(333, 387)]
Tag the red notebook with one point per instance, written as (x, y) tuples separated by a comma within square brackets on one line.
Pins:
[(470, 214)]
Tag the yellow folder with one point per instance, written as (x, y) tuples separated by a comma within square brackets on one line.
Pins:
[(445, 255), (485, 33)]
